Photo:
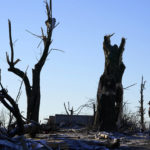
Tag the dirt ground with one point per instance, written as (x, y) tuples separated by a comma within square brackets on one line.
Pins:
[(72, 139)]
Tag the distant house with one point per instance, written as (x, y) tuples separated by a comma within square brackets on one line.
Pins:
[(71, 120)]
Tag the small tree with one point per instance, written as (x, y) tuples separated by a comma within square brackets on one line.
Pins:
[(141, 107), (129, 121), (33, 90), (90, 104)]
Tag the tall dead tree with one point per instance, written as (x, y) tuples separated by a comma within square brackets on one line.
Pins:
[(110, 90), (141, 107), (33, 90)]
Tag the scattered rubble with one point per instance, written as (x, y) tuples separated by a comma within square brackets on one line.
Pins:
[(76, 139)]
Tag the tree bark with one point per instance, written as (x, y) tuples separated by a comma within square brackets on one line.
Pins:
[(34, 103), (110, 90)]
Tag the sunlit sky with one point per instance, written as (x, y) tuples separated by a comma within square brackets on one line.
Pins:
[(74, 75)]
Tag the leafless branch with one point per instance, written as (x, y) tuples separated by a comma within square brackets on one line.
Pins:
[(38, 36), (129, 86), (66, 109), (19, 92), (11, 43), (12, 107)]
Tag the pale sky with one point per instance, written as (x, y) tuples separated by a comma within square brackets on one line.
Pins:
[(74, 75)]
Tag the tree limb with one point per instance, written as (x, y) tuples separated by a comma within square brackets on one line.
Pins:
[(13, 107), (50, 24), (22, 75), (129, 86), (11, 43), (66, 109)]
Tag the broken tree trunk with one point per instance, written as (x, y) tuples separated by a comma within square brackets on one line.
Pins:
[(110, 90), (141, 107)]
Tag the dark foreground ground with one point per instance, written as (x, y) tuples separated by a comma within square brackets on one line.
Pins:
[(81, 139), (77, 139)]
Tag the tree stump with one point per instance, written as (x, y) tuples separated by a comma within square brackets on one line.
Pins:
[(110, 90)]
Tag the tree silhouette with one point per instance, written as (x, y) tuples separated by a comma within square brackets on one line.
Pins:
[(110, 90), (33, 90)]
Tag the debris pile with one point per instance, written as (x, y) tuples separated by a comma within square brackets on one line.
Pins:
[(22, 143)]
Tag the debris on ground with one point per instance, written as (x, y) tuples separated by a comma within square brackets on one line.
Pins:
[(76, 139)]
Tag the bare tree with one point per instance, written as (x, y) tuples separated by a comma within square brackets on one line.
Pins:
[(33, 90), (110, 90), (130, 120), (141, 107), (90, 104)]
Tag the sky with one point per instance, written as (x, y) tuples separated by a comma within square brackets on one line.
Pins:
[(74, 75)]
